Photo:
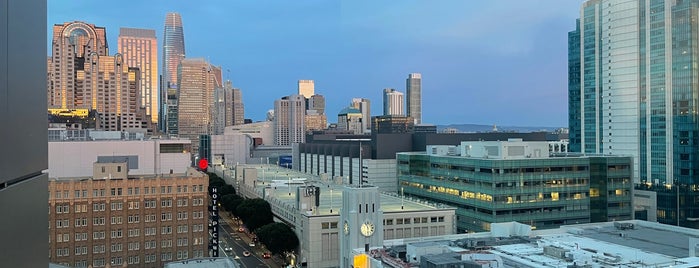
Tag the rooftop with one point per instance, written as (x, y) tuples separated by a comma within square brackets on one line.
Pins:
[(611, 244), (282, 184), (203, 263)]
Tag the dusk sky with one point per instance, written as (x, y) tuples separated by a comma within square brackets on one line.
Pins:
[(489, 62)]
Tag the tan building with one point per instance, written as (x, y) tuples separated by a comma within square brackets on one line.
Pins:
[(315, 121), (197, 79), (306, 88), (113, 219), (82, 75), (228, 107), (139, 48)]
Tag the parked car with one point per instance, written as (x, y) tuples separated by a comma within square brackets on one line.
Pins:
[(246, 253), (252, 244), (266, 255)]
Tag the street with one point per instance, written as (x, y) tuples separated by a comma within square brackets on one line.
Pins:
[(239, 242)]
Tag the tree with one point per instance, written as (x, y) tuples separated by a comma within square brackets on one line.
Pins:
[(278, 237), (255, 213), (231, 201)]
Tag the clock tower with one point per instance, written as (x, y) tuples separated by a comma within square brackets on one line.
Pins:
[(361, 221)]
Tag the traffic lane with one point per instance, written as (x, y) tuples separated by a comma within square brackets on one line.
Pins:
[(238, 246)]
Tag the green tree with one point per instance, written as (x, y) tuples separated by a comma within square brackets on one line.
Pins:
[(230, 202), (255, 213), (278, 237)]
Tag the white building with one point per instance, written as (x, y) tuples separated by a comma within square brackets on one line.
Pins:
[(145, 157), (393, 102), (289, 123)]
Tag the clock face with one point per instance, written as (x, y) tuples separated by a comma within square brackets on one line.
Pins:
[(367, 228), (346, 228)]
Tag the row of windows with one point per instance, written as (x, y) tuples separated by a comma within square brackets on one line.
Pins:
[(129, 191)]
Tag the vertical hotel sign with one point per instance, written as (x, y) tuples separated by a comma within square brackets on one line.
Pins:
[(213, 226)]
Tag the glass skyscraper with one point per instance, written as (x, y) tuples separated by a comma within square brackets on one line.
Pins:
[(634, 91), (173, 53)]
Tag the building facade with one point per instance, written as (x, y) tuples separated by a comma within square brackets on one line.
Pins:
[(228, 107), (351, 119), (173, 53), (393, 102), (139, 48), (413, 103), (519, 181), (23, 77), (83, 76), (636, 89), (306, 88), (114, 219), (364, 107), (289, 120), (197, 80)]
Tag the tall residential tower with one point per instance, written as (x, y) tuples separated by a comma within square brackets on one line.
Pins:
[(393, 102), (413, 87), (139, 48)]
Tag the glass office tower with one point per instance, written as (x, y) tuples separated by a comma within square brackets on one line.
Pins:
[(638, 92), (173, 53)]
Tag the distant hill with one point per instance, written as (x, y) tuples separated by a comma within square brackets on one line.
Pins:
[(472, 128)]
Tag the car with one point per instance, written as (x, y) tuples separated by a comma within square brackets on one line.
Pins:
[(241, 229), (228, 249), (246, 253), (252, 244), (266, 255)]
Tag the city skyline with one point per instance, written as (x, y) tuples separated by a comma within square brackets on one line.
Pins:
[(355, 50)]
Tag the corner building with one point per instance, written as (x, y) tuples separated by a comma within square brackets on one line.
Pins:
[(114, 219), (519, 181)]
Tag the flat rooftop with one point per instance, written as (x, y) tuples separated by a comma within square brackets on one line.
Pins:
[(221, 262), (274, 182), (647, 244)]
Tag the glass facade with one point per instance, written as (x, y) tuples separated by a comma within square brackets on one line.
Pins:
[(574, 89), (541, 192), (173, 53), (639, 89)]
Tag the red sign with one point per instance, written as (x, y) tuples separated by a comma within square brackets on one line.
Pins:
[(203, 164)]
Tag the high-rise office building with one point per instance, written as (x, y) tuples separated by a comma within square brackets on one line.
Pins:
[(317, 102), (139, 47), (393, 102), (197, 79), (173, 53), (306, 88), (289, 120), (633, 90), (364, 107), (413, 88), (228, 107), (24, 135), (83, 76)]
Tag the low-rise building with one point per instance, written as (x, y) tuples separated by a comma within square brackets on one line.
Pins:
[(502, 181), (118, 219)]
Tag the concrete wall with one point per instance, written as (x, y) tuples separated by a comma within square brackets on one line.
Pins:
[(84, 154)]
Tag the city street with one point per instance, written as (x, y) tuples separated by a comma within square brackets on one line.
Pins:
[(239, 242)]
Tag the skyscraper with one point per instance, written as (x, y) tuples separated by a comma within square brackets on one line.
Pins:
[(139, 48), (83, 76), (393, 102), (228, 107), (289, 120), (364, 107), (173, 53), (413, 87), (306, 88), (636, 92), (197, 80)]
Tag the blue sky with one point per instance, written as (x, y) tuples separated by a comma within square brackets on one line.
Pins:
[(490, 62)]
